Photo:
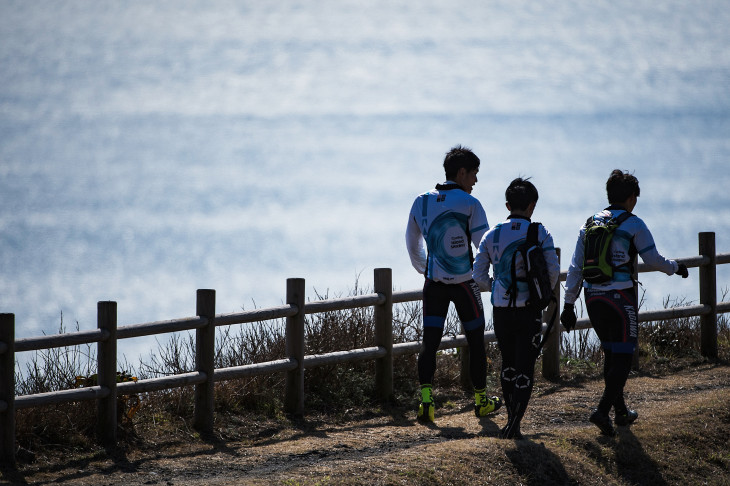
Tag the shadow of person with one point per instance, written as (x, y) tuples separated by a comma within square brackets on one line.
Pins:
[(490, 426), (537, 465), (11, 474), (633, 464)]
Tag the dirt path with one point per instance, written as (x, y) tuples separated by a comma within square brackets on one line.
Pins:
[(366, 447)]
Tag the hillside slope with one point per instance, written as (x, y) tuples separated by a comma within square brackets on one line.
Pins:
[(681, 437)]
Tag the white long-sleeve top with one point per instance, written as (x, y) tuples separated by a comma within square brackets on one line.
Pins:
[(449, 221), (496, 250), (631, 238)]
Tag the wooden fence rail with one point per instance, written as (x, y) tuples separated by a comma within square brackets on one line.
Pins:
[(294, 364)]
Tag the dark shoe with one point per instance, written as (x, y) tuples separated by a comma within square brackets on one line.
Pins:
[(627, 418), (603, 422), (511, 431)]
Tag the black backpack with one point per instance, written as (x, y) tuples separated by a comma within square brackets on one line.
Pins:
[(536, 271), (537, 277), (597, 266)]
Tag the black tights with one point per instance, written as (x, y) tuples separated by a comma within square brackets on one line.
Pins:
[(518, 334), (477, 355), (613, 314), (616, 369)]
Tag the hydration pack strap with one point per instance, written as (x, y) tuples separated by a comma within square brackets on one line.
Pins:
[(530, 239), (552, 299), (549, 325), (512, 291), (532, 234), (622, 217), (619, 220)]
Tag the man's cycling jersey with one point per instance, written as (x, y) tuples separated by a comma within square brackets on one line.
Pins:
[(496, 249), (449, 219), (632, 237)]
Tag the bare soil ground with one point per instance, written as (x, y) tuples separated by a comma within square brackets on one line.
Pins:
[(681, 436)]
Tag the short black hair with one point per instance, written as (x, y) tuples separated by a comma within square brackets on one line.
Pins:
[(520, 194), (620, 186), (459, 157)]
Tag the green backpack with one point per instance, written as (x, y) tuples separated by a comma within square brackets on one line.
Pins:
[(597, 266)]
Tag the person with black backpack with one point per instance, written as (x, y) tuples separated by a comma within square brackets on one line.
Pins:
[(604, 266), (525, 270)]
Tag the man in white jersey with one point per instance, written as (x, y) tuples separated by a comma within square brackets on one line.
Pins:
[(517, 325), (612, 305), (449, 219)]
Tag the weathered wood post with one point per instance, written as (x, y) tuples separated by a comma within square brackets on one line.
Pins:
[(383, 320), (708, 296), (7, 389), (551, 351), (294, 393), (106, 357), (205, 362)]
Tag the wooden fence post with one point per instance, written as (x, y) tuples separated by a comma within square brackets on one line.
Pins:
[(7, 390), (551, 351), (106, 357), (708, 296), (205, 362), (383, 320), (294, 393)]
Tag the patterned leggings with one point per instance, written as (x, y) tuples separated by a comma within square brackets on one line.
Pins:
[(518, 335)]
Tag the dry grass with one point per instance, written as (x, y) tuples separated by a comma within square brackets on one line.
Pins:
[(681, 437), (346, 438)]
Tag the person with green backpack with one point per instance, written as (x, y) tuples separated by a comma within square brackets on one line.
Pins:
[(604, 266)]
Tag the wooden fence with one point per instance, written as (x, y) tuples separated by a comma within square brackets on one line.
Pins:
[(295, 363)]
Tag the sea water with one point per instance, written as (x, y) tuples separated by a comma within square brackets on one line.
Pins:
[(151, 149)]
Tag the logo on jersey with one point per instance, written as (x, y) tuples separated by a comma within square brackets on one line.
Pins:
[(458, 242), (516, 225)]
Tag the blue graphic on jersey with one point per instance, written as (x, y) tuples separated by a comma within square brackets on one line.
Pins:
[(446, 238), (503, 268), (621, 244)]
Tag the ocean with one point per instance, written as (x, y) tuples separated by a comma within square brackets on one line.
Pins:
[(151, 149)]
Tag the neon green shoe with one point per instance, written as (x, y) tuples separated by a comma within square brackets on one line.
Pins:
[(483, 406), (426, 412), (426, 408)]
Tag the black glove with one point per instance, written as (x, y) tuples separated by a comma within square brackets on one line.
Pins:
[(682, 270), (567, 317)]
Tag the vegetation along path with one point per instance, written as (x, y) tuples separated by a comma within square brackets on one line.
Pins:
[(681, 437)]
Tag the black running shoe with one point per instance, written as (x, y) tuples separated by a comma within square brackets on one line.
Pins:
[(511, 431), (627, 418), (603, 422)]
